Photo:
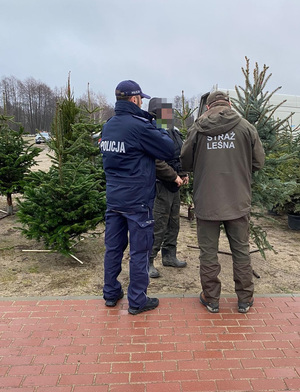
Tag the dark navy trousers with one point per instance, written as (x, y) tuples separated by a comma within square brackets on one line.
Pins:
[(139, 227)]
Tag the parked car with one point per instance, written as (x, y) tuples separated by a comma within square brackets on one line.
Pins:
[(42, 137), (97, 138)]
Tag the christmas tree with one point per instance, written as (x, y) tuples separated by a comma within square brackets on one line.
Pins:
[(17, 156), (269, 189), (254, 104), (69, 199)]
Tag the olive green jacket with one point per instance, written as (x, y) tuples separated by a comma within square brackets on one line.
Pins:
[(222, 150)]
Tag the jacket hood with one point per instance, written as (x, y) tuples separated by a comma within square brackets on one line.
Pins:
[(217, 120)]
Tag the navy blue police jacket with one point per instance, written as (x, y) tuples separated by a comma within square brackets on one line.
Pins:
[(130, 144)]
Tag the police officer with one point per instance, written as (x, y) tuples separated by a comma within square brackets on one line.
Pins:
[(130, 144)]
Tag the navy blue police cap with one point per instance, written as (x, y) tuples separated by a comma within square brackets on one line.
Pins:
[(128, 88)]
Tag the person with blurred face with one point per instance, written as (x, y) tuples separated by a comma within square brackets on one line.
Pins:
[(169, 179)]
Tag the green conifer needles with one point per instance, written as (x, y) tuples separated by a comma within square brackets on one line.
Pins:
[(59, 206)]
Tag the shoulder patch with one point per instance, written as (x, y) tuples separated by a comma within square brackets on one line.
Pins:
[(141, 118)]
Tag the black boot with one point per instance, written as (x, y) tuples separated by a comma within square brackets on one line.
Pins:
[(153, 272), (169, 258)]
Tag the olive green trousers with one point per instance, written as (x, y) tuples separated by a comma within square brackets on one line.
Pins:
[(166, 213), (237, 232)]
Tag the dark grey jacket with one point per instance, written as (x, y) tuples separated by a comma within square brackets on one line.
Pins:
[(167, 171), (222, 149)]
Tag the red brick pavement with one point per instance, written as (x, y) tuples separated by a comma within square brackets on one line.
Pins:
[(79, 345)]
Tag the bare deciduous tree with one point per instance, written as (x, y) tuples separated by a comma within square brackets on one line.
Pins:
[(31, 102)]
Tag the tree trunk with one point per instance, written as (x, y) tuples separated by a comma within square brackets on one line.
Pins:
[(191, 215), (9, 204)]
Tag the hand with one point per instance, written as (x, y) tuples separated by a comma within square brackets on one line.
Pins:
[(178, 181), (185, 180)]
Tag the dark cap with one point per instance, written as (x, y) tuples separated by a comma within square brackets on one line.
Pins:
[(128, 88), (216, 96)]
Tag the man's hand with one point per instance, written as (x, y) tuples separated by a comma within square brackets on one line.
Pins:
[(185, 180), (178, 181)]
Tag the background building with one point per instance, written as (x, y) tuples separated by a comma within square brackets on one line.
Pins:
[(290, 104)]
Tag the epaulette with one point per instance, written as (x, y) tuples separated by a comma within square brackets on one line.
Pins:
[(141, 118)]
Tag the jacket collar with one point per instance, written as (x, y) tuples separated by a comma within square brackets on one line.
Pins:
[(128, 107)]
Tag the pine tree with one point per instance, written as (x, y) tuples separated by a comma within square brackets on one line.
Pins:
[(69, 199), (17, 156)]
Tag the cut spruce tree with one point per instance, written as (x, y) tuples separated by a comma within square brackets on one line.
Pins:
[(60, 205), (269, 189), (17, 156)]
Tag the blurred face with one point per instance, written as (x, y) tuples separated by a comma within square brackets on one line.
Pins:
[(164, 118), (167, 113)]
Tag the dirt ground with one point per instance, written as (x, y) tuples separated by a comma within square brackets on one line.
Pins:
[(27, 271)]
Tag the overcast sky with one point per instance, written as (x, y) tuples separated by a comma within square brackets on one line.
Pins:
[(165, 45)]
